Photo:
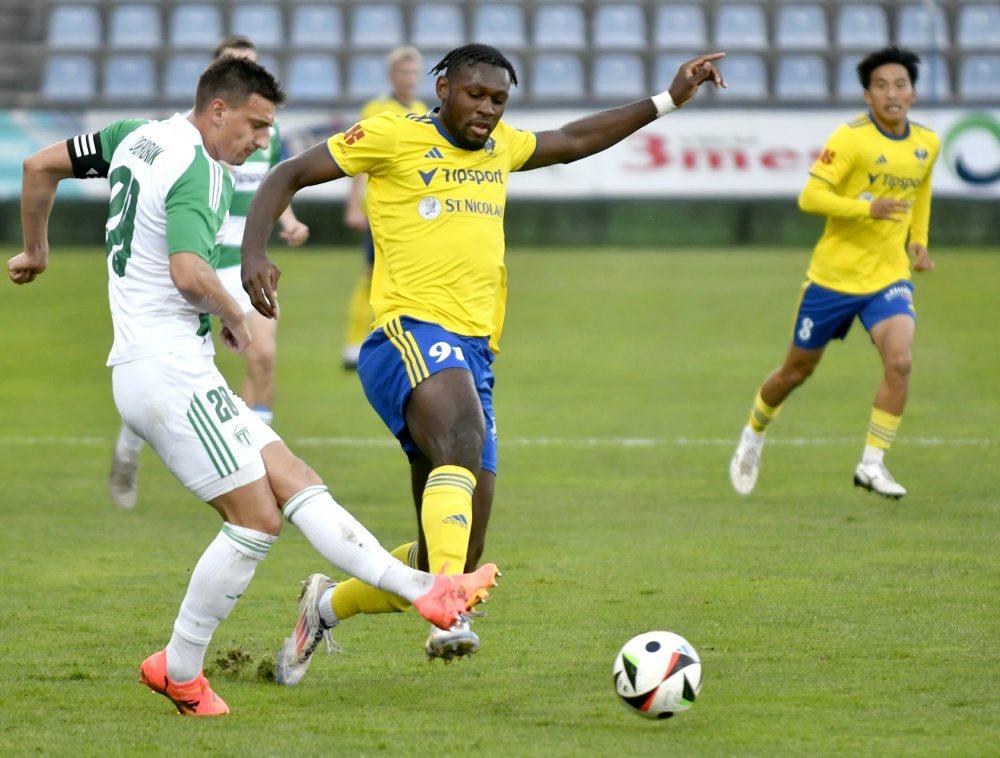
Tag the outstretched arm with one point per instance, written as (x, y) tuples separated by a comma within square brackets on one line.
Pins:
[(260, 275), (598, 132), (41, 176)]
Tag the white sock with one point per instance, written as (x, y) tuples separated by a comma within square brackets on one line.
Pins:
[(342, 540), (872, 455), (752, 436), (128, 445), (222, 574), (326, 609)]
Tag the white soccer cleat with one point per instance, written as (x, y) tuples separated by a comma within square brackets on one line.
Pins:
[(296, 652), (123, 486), (745, 464), (448, 644), (875, 477)]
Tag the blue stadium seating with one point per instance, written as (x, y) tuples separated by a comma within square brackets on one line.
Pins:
[(922, 27), (132, 26), (312, 77), (556, 77), (559, 26), (197, 26), (620, 26), (129, 76), (261, 23), (438, 25), (74, 27), (861, 27), (801, 27), (619, 77), (367, 76), (501, 25), (680, 26), (69, 78), (979, 78), (978, 27), (180, 75), (316, 26), (801, 77), (740, 27), (746, 75), (376, 26)]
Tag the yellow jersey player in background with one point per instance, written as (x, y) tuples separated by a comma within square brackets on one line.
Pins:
[(405, 70), (437, 192), (873, 183)]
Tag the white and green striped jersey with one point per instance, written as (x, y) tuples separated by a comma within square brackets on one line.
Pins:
[(248, 178), (167, 196)]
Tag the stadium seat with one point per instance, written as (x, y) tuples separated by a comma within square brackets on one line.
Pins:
[(746, 75), (934, 82), (195, 26), (74, 27), (847, 86), (861, 27), (261, 23), (979, 78), (619, 77), (180, 75), (69, 78), (801, 27), (500, 25), (316, 26), (426, 89), (135, 27), (801, 77), (438, 25), (922, 27), (740, 27), (129, 77), (619, 26), (978, 27), (376, 26), (367, 76), (312, 77), (559, 26), (556, 76), (680, 26)]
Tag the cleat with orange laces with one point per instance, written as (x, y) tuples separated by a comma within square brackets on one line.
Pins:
[(194, 698)]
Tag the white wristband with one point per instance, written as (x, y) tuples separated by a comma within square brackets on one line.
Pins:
[(664, 103)]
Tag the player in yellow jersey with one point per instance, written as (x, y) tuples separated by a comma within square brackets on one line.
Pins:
[(436, 195), (405, 69), (873, 183)]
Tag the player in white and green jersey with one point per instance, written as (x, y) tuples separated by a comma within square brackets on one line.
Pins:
[(257, 388), (170, 192)]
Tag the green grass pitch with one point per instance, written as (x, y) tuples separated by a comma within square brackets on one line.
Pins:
[(829, 621)]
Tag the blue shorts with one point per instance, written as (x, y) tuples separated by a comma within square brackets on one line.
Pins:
[(826, 314), (400, 355)]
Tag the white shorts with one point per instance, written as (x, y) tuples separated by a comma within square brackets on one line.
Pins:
[(233, 282), (205, 434)]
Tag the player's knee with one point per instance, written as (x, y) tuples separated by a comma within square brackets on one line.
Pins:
[(797, 373), (898, 366)]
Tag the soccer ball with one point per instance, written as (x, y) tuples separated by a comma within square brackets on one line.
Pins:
[(657, 674)]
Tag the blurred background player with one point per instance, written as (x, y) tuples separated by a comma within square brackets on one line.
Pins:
[(257, 389), (405, 72), (873, 183), (438, 183)]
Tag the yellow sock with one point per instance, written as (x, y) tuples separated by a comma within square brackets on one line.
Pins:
[(446, 517), (762, 414), (882, 429), (359, 312), (354, 596)]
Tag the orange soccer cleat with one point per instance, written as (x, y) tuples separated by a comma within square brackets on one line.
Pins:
[(194, 698)]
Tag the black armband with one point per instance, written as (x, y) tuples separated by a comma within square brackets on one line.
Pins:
[(87, 157)]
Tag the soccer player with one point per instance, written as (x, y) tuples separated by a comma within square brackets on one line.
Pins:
[(258, 383), (436, 193), (873, 183), (405, 69), (170, 191)]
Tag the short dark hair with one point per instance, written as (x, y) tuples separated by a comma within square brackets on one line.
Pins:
[(470, 55), (234, 42), (891, 54), (235, 80)]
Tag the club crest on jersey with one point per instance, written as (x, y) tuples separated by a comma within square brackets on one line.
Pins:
[(429, 208), (827, 156), (921, 154), (242, 435), (490, 145)]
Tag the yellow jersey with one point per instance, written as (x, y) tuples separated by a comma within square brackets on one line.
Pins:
[(858, 254), (436, 212)]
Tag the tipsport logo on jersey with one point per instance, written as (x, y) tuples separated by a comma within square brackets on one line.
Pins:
[(971, 150)]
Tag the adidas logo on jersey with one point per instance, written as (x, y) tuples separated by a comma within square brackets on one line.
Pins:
[(881, 160), (433, 153)]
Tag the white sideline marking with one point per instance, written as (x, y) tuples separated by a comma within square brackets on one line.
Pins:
[(622, 442)]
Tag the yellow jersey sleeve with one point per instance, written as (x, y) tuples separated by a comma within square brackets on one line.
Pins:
[(367, 146)]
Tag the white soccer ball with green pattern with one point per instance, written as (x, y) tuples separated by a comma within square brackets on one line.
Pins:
[(657, 674)]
